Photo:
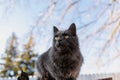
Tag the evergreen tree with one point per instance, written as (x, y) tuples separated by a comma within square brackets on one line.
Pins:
[(9, 66), (28, 57)]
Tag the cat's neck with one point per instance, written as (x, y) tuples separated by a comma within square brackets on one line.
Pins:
[(65, 52)]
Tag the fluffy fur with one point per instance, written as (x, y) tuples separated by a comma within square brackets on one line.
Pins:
[(63, 60)]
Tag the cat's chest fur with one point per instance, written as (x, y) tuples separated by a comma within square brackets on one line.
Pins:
[(64, 61)]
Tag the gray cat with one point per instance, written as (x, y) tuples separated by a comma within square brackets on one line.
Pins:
[(63, 60)]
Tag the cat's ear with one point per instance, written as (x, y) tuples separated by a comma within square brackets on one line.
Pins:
[(72, 29), (55, 29)]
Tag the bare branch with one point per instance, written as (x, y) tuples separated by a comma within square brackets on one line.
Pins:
[(43, 18), (104, 26), (10, 7), (116, 41), (114, 31), (66, 10), (97, 18), (110, 38), (112, 59)]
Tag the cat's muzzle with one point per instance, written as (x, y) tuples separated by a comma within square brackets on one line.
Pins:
[(59, 45)]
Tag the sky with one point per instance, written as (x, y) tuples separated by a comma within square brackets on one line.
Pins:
[(18, 19), (21, 16)]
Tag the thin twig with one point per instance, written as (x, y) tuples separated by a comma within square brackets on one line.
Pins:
[(66, 10)]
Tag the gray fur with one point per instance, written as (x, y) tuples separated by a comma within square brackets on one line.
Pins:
[(63, 60)]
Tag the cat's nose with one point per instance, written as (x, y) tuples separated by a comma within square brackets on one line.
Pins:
[(59, 41)]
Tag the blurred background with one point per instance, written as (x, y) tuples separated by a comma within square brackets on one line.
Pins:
[(26, 30)]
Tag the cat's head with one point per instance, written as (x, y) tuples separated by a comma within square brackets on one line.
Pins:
[(65, 40)]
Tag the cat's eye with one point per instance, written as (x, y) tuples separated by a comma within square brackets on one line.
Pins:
[(56, 38), (66, 36)]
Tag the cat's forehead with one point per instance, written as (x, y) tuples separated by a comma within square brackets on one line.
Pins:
[(62, 32)]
